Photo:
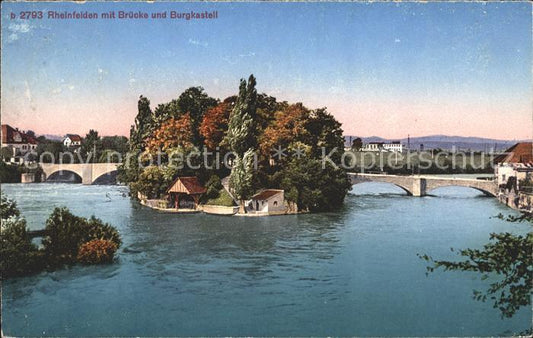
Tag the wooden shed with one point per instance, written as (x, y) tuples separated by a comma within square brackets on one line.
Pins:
[(185, 192)]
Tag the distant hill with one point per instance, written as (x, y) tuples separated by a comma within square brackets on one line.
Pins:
[(446, 142)]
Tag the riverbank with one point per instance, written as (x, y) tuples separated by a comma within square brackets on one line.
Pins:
[(219, 210)]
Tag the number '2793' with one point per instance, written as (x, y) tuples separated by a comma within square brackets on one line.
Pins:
[(31, 15)]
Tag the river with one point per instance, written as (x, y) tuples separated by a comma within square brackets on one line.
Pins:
[(354, 272)]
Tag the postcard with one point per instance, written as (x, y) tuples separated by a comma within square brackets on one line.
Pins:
[(266, 169)]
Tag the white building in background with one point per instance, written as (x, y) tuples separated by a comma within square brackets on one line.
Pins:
[(72, 140), (394, 146)]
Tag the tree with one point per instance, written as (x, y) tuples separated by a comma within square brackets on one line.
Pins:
[(151, 183), (213, 187), (50, 150), (289, 126), (6, 153), (173, 133), (311, 185), (115, 143), (143, 124), (91, 146), (242, 130), (357, 144), (326, 134), (242, 140), (130, 168), (195, 102), (241, 178), (65, 233), (506, 255), (215, 123), (8, 208), (18, 255), (267, 106)]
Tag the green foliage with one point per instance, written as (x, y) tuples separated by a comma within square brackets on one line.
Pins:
[(312, 185), (91, 147), (18, 256), (195, 102), (241, 177), (151, 183), (115, 143), (213, 186), (242, 131), (357, 144), (65, 233), (8, 208), (49, 151), (129, 170), (506, 255), (253, 117), (6, 153), (326, 134), (223, 199), (9, 173)]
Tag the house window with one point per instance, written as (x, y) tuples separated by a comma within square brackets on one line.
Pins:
[(275, 203)]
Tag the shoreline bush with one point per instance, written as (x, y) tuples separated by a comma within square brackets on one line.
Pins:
[(69, 240)]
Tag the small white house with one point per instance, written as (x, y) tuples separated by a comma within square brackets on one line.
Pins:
[(267, 201), (72, 140)]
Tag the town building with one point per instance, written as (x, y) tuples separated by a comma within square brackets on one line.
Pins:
[(514, 174), (72, 140), (17, 142), (394, 146), (517, 161), (269, 201)]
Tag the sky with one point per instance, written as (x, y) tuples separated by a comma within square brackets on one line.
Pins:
[(384, 69)]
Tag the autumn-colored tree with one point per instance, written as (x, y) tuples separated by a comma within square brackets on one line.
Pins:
[(215, 123), (289, 126), (173, 133)]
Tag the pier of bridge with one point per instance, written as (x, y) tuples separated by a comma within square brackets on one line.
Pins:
[(416, 185), (89, 172)]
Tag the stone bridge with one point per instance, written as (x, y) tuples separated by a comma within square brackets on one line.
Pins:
[(421, 185), (89, 172)]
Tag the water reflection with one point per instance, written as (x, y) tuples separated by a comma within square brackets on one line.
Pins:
[(168, 244)]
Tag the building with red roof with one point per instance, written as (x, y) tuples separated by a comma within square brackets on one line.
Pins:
[(515, 163), (185, 192), (18, 142), (72, 140), (269, 201)]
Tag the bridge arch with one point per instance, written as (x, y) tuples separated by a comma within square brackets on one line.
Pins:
[(89, 172), (484, 191), (404, 188), (106, 178), (62, 176)]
